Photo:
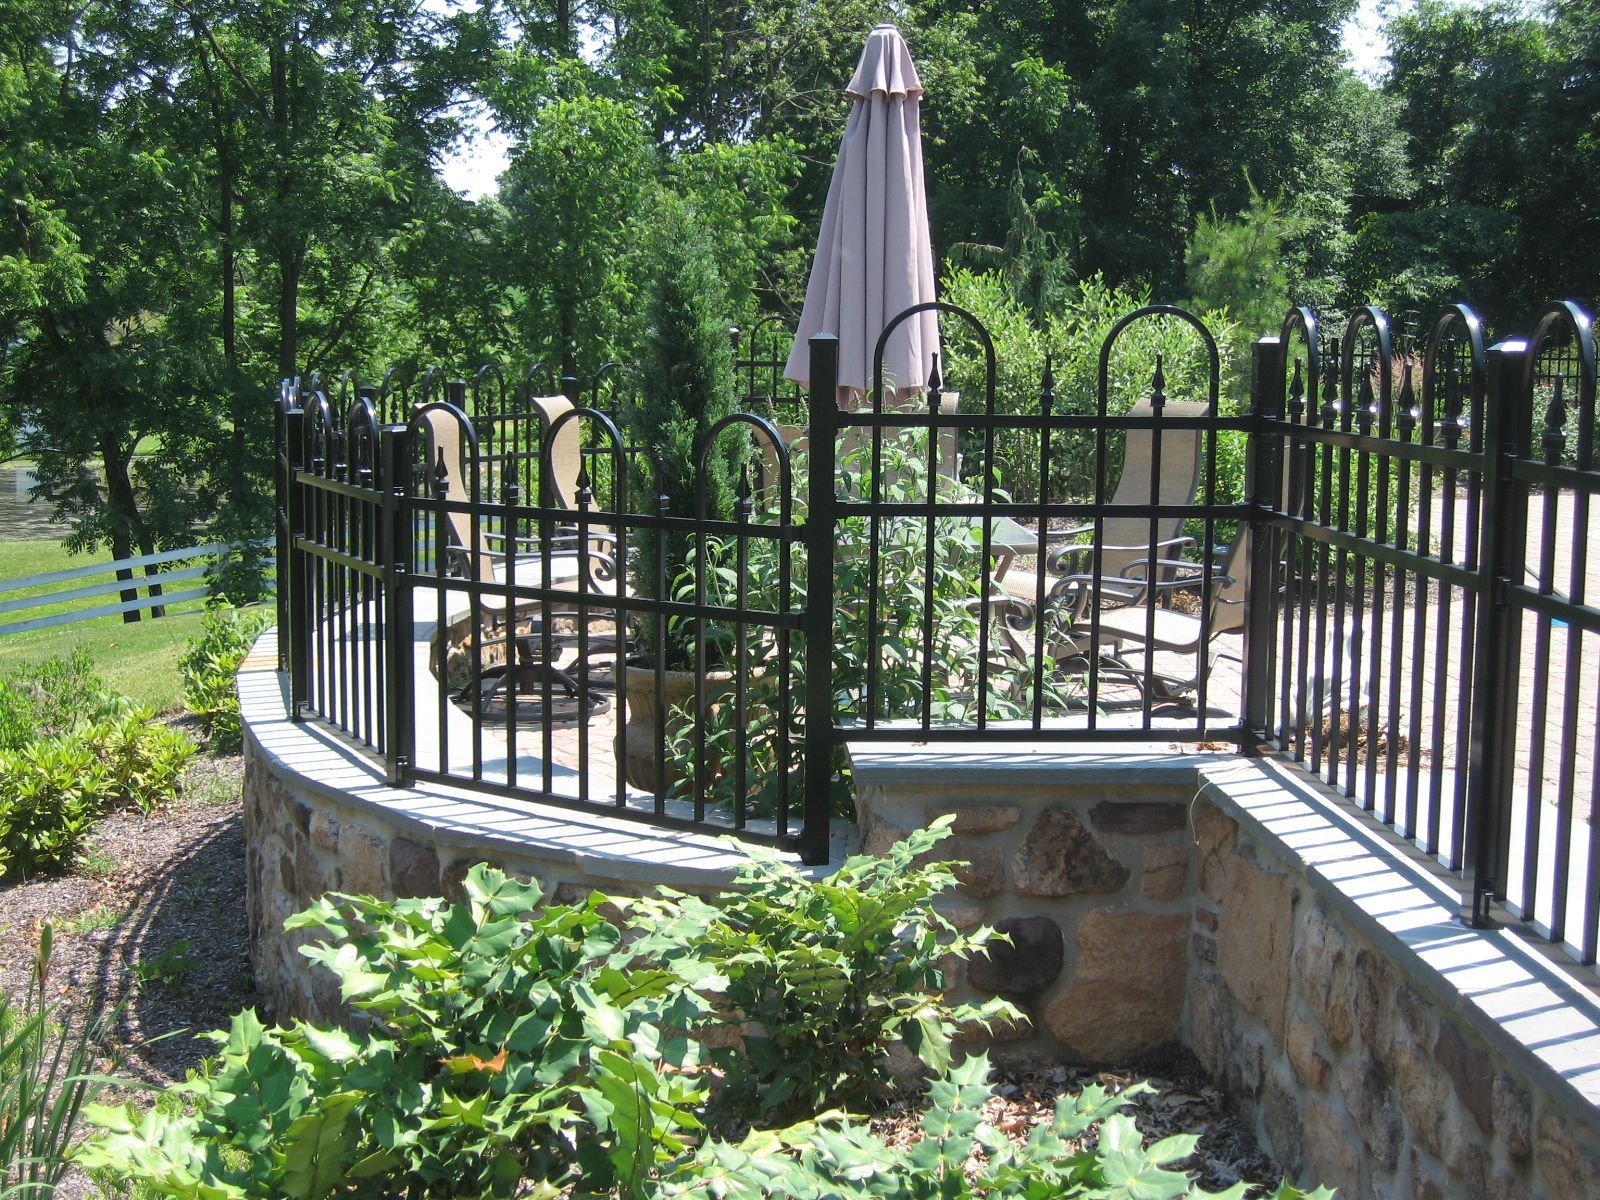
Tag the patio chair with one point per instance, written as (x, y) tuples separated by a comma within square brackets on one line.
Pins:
[(517, 624), (1145, 628), (597, 558), (1126, 540), (1130, 631)]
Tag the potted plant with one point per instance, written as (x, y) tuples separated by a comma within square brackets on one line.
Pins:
[(686, 387)]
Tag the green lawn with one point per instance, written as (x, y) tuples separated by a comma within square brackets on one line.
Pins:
[(137, 659)]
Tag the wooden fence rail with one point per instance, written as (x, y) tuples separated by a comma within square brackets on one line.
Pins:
[(188, 579)]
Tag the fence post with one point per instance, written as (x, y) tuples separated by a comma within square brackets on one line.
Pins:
[(1266, 410), (299, 579), (818, 617), (281, 484), (1503, 528), (395, 539)]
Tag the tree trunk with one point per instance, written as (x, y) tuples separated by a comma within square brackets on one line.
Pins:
[(124, 525)]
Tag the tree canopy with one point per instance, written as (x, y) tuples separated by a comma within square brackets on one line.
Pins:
[(203, 196)]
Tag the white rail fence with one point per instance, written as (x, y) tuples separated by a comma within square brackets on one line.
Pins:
[(182, 577)]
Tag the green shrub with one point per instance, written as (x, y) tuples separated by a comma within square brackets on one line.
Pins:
[(145, 757), (511, 1050), (505, 1043), (42, 700), (208, 666), (51, 794), (960, 1157), (686, 387), (53, 789), (826, 975)]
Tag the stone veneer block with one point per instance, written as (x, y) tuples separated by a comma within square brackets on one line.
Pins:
[(981, 870), (363, 861), (325, 831), (1029, 963), (1137, 818), (975, 818), (1164, 872), (1567, 1167), (1215, 835), (1324, 976), (1125, 995), (1513, 1116), (1253, 942), (1310, 1066), (1330, 1150), (1472, 1072), (880, 835), (413, 869), (1424, 1093), (1060, 857)]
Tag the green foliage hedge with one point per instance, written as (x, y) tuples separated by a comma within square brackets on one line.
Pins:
[(208, 666), (510, 1049), (70, 750)]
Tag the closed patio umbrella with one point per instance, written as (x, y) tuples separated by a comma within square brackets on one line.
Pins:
[(874, 259)]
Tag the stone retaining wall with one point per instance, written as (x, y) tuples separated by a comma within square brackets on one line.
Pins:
[(1156, 912), (302, 842), (1085, 885)]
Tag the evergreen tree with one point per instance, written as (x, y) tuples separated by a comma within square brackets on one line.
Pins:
[(687, 386)]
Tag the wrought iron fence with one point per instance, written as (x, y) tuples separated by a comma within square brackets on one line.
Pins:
[(457, 606), (1392, 590), (1427, 622)]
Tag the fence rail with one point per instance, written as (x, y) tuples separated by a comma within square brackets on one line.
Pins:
[(1380, 568), (156, 585)]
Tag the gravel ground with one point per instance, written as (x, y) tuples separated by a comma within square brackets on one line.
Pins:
[(154, 922)]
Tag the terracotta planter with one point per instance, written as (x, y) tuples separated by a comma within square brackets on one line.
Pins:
[(639, 765)]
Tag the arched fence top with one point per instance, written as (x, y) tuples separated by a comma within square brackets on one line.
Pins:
[(1561, 357), (767, 432), (1151, 312), (1368, 327), (1301, 383), (1455, 350), (933, 387), (361, 441), (320, 431), (447, 429), (614, 448)]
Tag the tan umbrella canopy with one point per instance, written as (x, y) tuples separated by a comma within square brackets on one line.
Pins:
[(874, 259)]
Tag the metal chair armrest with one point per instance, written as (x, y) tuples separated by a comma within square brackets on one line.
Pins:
[(1056, 560)]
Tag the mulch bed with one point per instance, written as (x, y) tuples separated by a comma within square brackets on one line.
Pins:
[(1184, 1101), (174, 876)]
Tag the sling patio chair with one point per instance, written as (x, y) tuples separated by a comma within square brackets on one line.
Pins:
[(1121, 644), (1165, 653), (538, 656), (1133, 538)]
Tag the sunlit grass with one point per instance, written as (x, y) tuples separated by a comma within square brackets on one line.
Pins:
[(138, 659)]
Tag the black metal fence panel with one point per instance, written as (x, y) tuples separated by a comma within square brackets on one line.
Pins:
[(1373, 524), (1381, 568), (459, 607), (337, 607), (1544, 783), (1076, 617)]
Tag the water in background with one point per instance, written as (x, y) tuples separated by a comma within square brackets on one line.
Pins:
[(19, 517)]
